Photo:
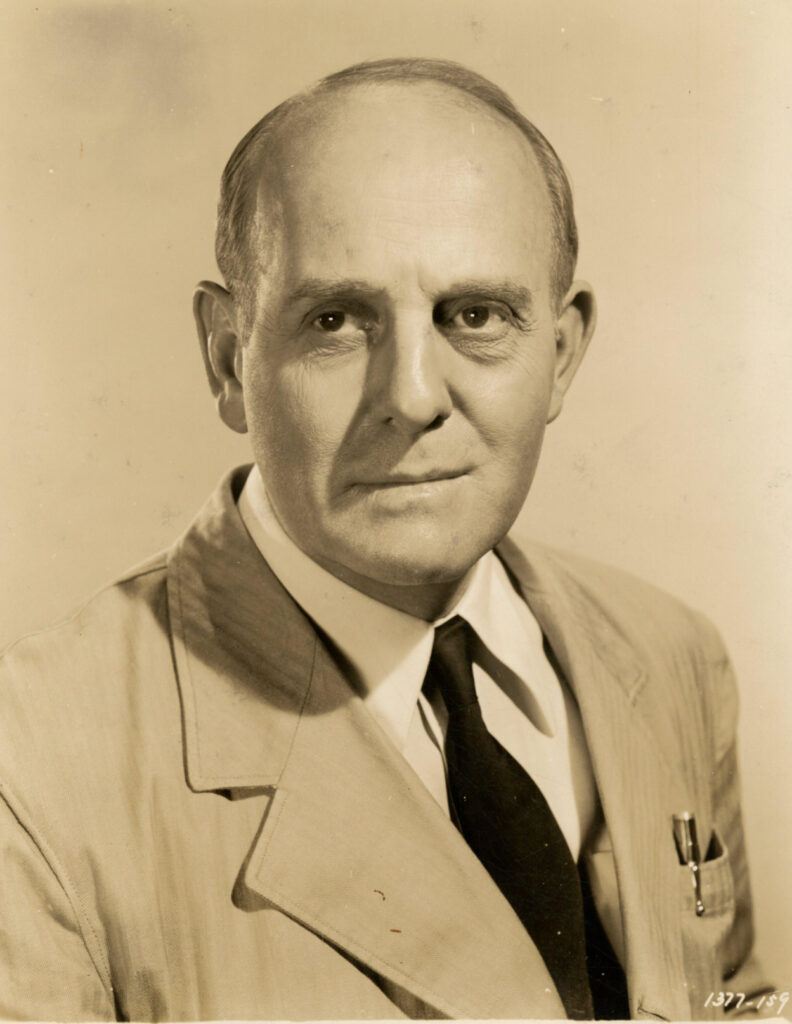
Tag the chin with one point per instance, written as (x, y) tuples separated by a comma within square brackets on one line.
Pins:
[(417, 564)]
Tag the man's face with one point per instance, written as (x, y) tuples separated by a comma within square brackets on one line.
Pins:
[(401, 364)]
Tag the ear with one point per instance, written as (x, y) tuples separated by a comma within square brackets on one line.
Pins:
[(221, 347), (574, 328)]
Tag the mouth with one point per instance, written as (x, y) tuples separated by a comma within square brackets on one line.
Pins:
[(414, 479)]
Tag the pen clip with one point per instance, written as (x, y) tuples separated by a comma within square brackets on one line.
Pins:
[(686, 838)]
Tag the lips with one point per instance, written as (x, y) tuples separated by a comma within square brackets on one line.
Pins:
[(411, 479)]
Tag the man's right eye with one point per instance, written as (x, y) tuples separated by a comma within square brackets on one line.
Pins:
[(339, 329), (334, 320)]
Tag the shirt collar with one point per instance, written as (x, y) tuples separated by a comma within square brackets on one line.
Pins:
[(387, 649)]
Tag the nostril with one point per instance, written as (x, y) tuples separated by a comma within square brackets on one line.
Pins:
[(415, 421)]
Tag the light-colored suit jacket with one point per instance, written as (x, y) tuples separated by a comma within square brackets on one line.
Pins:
[(200, 819)]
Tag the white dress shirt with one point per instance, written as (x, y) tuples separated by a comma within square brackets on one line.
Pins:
[(531, 712)]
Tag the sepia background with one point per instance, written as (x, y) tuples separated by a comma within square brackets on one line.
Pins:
[(673, 458)]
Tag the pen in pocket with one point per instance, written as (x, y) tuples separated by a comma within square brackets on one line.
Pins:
[(689, 853)]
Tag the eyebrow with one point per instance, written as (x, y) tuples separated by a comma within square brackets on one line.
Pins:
[(318, 289)]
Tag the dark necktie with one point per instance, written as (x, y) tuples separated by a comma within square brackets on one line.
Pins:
[(508, 824)]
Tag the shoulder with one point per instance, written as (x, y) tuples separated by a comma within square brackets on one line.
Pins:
[(132, 605), (647, 614), (77, 697), (682, 655)]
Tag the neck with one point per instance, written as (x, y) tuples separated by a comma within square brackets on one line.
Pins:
[(427, 601)]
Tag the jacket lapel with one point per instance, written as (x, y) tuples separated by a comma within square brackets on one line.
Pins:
[(637, 788), (361, 854), (352, 845)]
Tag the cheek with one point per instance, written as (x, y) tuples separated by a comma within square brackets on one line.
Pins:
[(511, 408), (515, 443), (297, 421)]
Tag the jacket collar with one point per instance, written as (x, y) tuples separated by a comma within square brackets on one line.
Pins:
[(236, 628), (353, 845), (244, 651)]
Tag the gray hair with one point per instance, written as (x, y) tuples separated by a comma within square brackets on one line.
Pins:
[(232, 239)]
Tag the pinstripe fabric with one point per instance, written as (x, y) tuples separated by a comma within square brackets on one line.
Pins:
[(200, 820)]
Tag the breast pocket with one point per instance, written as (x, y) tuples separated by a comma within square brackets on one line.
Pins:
[(702, 935)]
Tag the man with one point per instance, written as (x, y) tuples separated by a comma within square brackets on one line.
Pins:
[(344, 751)]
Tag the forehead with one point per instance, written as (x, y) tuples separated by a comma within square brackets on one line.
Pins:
[(417, 170)]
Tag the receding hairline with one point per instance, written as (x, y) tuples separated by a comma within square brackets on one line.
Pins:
[(291, 142), (308, 105), (240, 215)]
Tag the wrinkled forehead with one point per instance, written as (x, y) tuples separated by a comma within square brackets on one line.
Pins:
[(411, 160)]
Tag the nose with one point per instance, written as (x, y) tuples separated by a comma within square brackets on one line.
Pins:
[(410, 376)]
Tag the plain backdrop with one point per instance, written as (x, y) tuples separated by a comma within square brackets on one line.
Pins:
[(673, 458)]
